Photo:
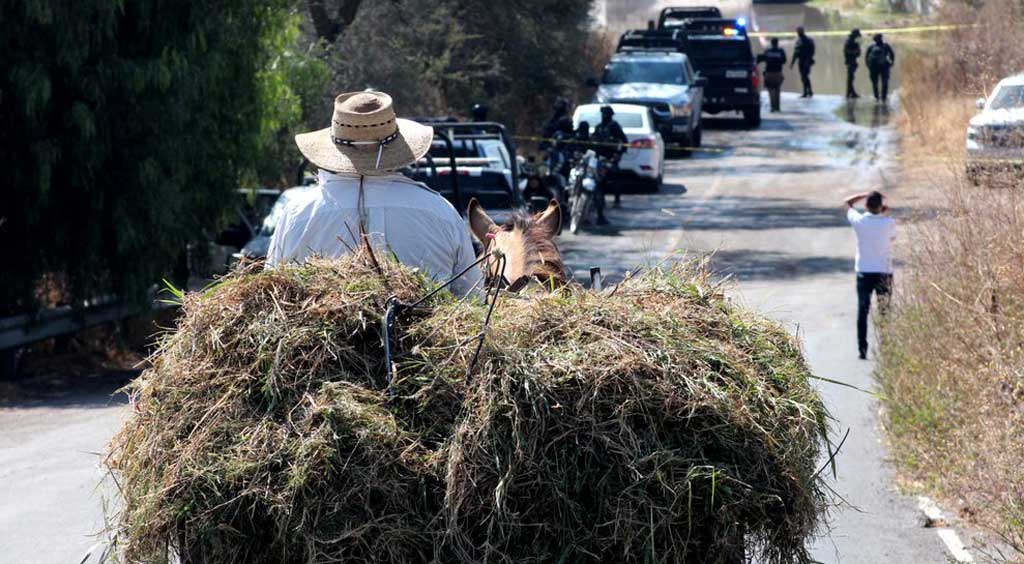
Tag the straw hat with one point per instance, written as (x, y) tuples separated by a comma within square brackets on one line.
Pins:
[(365, 137)]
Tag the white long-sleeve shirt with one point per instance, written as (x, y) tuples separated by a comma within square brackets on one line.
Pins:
[(417, 224)]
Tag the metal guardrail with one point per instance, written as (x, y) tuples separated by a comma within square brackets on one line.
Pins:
[(20, 330)]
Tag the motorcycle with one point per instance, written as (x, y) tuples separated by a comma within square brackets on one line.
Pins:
[(585, 177), (539, 184)]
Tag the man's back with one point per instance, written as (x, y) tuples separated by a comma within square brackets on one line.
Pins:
[(418, 225), (880, 55), (774, 59), (875, 233)]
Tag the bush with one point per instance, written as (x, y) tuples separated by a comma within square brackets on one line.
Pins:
[(951, 366)]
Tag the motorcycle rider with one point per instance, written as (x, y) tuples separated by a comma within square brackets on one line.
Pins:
[(851, 52), (880, 59), (608, 133)]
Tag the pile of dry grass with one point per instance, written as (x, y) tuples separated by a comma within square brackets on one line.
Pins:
[(658, 424)]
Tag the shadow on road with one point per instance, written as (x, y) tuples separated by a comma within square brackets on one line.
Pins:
[(60, 391), (728, 213), (767, 265)]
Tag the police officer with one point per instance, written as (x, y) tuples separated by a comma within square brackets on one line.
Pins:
[(561, 111), (479, 113), (851, 53), (803, 53), (607, 132), (774, 59), (880, 59)]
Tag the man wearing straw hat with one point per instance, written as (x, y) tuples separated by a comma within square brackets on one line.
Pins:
[(360, 193)]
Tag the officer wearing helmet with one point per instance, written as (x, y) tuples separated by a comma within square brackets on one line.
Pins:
[(610, 142), (851, 53), (479, 113), (561, 113), (880, 59)]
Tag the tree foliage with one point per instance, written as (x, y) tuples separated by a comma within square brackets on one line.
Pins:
[(127, 125), (442, 56)]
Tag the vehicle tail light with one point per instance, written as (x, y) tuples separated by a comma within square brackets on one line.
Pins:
[(643, 143), (755, 79)]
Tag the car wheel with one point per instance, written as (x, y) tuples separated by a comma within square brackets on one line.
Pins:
[(752, 117), (656, 183)]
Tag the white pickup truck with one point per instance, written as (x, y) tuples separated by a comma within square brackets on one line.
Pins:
[(995, 137)]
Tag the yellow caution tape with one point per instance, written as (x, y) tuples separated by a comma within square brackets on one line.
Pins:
[(867, 32), (604, 144)]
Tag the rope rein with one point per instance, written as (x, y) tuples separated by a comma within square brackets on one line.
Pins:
[(393, 307)]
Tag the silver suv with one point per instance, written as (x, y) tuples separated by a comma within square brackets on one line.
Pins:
[(995, 137)]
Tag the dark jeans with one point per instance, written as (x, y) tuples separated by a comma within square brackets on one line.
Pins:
[(880, 74), (805, 77), (868, 282), (851, 74)]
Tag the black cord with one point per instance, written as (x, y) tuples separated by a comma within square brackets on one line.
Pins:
[(393, 307), (487, 320)]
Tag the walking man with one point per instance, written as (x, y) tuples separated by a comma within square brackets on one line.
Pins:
[(803, 54), (875, 233), (851, 53), (774, 59), (880, 59), (361, 196)]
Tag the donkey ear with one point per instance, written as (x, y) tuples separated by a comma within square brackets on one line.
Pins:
[(479, 222), (551, 219)]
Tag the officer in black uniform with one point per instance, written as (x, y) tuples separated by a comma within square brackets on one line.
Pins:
[(479, 113), (851, 53), (606, 133), (561, 111), (774, 59), (803, 53), (880, 59)]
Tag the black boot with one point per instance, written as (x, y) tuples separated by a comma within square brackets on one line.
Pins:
[(601, 219)]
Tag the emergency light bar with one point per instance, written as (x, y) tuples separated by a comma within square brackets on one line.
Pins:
[(728, 28)]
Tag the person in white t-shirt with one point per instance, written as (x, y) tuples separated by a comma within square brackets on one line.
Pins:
[(875, 234)]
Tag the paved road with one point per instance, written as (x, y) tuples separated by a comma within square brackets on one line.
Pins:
[(769, 206), (768, 203)]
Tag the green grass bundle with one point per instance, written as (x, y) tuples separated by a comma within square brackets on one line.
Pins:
[(658, 423)]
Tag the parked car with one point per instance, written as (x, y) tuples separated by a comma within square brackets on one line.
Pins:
[(663, 81), (995, 137), (256, 248), (644, 160)]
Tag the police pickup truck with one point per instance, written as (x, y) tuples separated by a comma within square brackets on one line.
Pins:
[(664, 81), (719, 51), (675, 16)]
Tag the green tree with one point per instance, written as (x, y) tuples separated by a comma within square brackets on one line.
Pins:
[(127, 124), (442, 56)]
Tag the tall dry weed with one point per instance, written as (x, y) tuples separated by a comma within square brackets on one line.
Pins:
[(952, 361)]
